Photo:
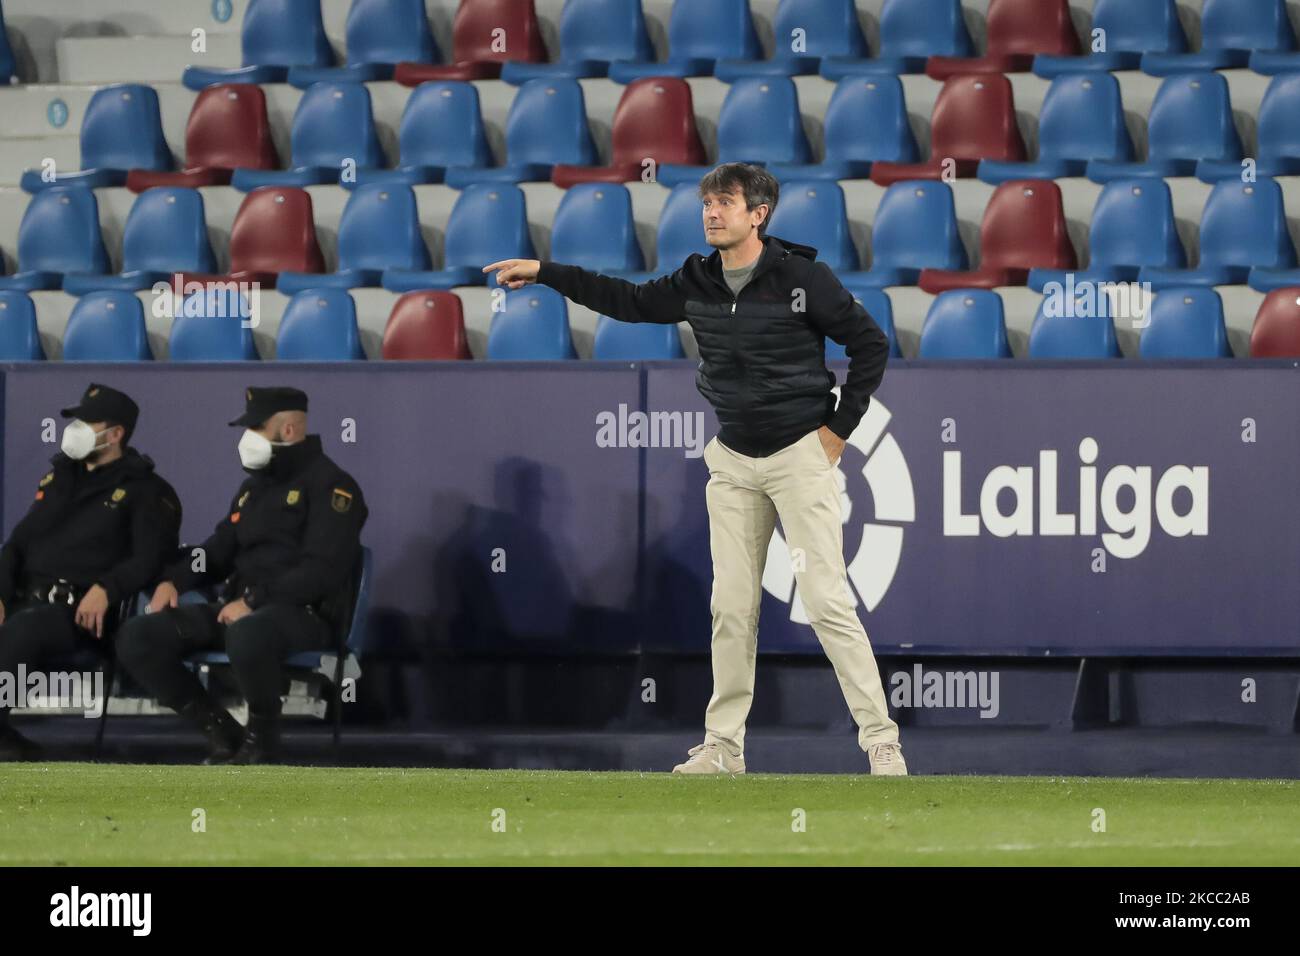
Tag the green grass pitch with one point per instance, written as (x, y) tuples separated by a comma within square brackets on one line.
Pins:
[(91, 814)]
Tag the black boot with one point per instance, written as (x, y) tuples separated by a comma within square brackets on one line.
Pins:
[(14, 746), (261, 741), (222, 731)]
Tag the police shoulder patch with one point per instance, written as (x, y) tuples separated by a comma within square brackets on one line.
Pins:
[(341, 500)]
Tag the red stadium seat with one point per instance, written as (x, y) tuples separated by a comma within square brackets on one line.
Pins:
[(426, 325), (485, 34), (274, 231), (655, 119), (1023, 229), (227, 129), (1018, 31), (974, 118), (1276, 333)]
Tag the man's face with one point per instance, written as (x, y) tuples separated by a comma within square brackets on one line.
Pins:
[(727, 221), (106, 436), (282, 428)]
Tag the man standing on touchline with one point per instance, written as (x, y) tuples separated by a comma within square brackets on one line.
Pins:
[(761, 309)]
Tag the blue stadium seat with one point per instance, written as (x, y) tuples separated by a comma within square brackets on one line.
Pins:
[(700, 32), (1278, 153), (380, 34), (547, 125), (379, 229), (1082, 119), (212, 326), (880, 308), (965, 324), (275, 35), (8, 65), (488, 223), (121, 131), (681, 229), (1081, 327), (20, 339), (593, 34), (1185, 324), (805, 31), (534, 325), (866, 121), (1131, 29), (636, 341), (441, 127), (1191, 120), (1230, 30), (680, 233), (1132, 227), (319, 325), (106, 327), (166, 232), (59, 234), (333, 125), (779, 138), (1243, 226), (911, 31), (593, 228), (915, 228), (814, 214)]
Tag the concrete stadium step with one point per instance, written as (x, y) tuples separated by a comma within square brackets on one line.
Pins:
[(435, 204), (24, 112), (374, 305), (29, 152), (139, 59)]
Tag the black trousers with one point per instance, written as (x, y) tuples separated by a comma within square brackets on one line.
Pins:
[(153, 648), (32, 634)]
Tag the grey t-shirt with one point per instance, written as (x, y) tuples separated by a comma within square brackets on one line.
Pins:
[(737, 278)]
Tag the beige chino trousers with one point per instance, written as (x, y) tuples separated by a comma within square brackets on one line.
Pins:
[(745, 497)]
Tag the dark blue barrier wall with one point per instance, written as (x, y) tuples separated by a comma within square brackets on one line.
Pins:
[(458, 461)]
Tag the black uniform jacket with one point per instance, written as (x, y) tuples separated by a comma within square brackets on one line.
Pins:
[(116, 525), (291, 535)]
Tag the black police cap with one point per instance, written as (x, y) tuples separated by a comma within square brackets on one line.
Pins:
[(262, 403), (103, 404)]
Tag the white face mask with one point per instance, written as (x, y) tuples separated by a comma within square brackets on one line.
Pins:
[(80, 441), (255, 449)]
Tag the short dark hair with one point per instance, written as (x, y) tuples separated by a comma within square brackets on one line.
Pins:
[(756, 184)]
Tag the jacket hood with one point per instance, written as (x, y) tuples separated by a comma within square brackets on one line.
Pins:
[(795, 248)]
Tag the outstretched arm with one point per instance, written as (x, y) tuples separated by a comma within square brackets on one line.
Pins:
[(660, 300)]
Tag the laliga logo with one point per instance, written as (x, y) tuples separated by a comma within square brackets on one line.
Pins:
[(872, 568), (1128, 530)]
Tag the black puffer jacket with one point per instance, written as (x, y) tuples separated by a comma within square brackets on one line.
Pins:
[(762, 353)]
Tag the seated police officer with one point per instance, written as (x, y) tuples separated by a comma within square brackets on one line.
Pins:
[(285, 551), (101, 528)]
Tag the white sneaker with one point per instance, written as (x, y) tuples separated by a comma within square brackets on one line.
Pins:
[(710, 758), (887, 760)]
